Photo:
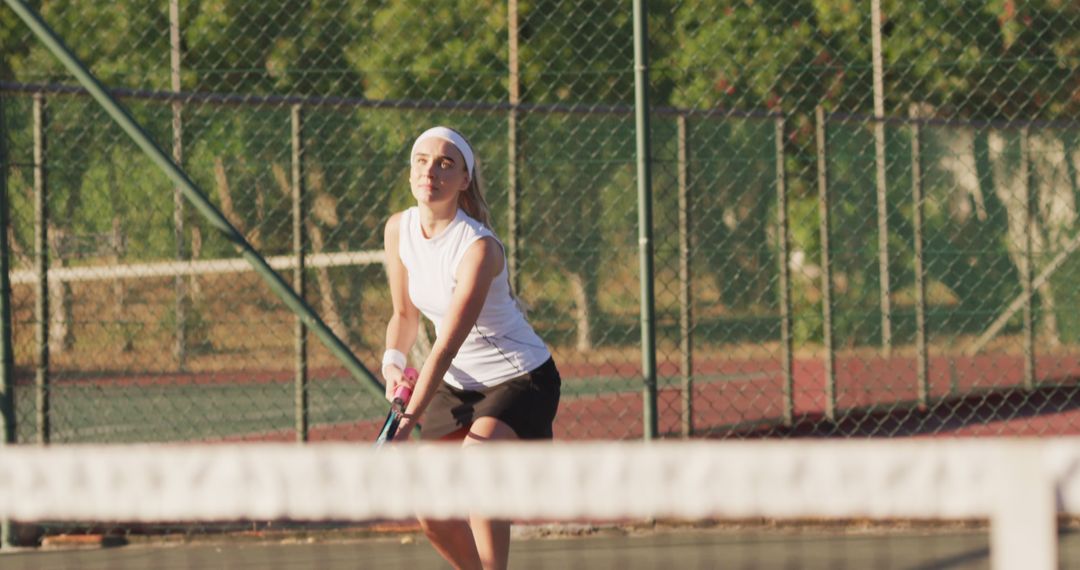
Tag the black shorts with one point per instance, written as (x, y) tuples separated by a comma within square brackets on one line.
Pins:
[(527, 404)]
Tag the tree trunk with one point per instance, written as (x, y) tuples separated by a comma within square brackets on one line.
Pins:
[(1055, 213), (61, 335), (328, 297), (1050, 332), (583, 310), (228, 207), (328, 301), (119, 286)]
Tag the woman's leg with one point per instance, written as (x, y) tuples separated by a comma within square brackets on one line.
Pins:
[(453, 539), (492, 537)]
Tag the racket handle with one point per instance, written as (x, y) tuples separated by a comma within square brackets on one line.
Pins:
[(404, 391), (402, 394)]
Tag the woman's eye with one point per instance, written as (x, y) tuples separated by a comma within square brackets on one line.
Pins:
[(446, 164)]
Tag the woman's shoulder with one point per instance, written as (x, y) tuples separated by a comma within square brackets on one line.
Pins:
[(396, 219), (394, 222), (473, 225)]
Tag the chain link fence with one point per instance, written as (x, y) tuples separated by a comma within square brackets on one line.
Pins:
[(865, 217)]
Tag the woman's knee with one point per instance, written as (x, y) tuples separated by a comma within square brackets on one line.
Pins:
[(443, 527)]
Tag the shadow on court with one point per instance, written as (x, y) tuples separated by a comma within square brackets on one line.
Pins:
[(927, 549), (1005, 411)]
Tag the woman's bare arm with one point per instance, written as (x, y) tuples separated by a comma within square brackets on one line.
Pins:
[(478, 268), (404, 321)]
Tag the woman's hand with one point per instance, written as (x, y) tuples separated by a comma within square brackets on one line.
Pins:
[(392, 377), (395, 378)]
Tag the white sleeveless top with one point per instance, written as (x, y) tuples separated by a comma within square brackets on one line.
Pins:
[(501, 345)]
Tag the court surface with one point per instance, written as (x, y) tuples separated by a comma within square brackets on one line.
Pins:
[(683, 548)]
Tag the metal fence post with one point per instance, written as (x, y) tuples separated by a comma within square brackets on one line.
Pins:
[(686, 291), (921, 356), (882, 194), (180, 306), (826, 270), (299, 280), (7, 364), (41, 264), (1028, 272), (513, 186), (783, 239), (645, 243)]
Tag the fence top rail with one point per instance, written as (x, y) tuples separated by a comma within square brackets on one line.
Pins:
[(277, 100), (954, 122)]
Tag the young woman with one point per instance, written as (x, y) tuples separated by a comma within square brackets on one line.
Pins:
[(489, 377)]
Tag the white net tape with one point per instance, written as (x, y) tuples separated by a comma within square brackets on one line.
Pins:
[(1018, 484), (912, 479)]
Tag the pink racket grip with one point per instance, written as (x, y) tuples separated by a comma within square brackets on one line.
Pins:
[(410, 374), (403, 393)]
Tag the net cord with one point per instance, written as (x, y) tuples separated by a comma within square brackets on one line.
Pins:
[(1019, 485)]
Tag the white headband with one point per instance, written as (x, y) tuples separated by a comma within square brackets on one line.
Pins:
[(454, 139)]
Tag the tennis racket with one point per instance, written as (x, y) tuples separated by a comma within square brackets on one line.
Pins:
[(397, 409)]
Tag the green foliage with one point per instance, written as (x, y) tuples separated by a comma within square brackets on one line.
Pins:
[(404, 67), (1067, 308), (773, 55), (448, 51), (195, 322)]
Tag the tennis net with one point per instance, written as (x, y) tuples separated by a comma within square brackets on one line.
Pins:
[(1022, 487)]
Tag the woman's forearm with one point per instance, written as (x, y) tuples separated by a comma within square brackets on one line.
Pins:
[(432, 372), (401, 331)]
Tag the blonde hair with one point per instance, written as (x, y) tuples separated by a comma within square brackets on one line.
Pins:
[(473, 202)]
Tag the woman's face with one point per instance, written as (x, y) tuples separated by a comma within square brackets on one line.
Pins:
[(437, 174)]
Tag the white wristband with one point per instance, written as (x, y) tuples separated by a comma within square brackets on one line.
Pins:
[(393, 357)]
